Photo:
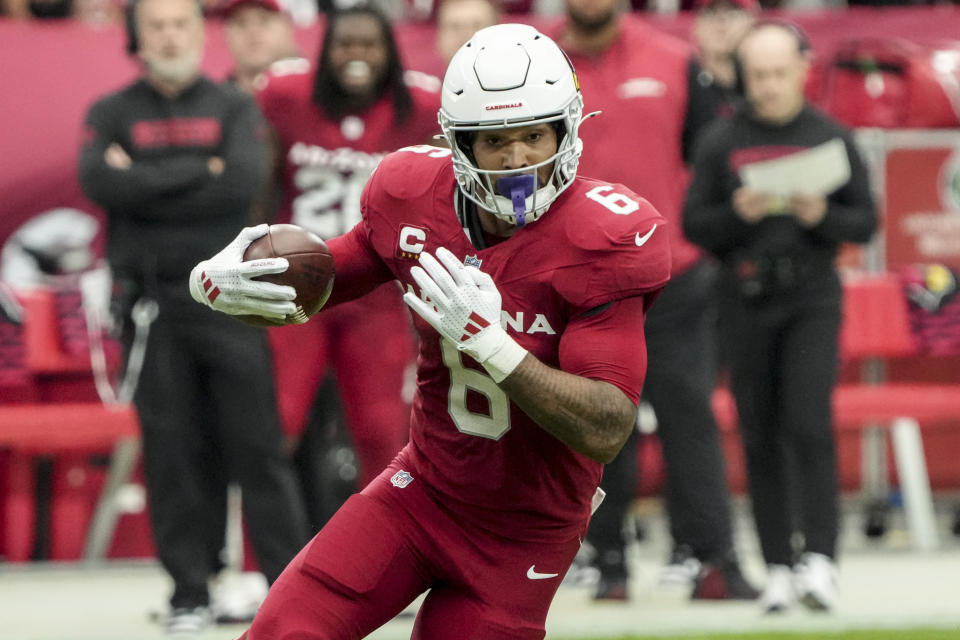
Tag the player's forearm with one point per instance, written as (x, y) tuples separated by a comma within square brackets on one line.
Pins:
[(592, 417), (358, 269)]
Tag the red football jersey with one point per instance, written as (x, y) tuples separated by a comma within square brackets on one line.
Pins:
[(640, 85), (326, 162), (598, 243)]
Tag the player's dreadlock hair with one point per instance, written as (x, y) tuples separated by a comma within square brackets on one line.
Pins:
[(327, 92)]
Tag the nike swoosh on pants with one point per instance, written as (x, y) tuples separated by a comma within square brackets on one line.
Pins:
[(532, 574)]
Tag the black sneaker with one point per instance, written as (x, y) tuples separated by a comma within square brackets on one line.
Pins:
[(612, 588), (612, 584), (722, 581)]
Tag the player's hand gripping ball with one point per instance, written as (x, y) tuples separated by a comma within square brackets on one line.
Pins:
[(310, 273)]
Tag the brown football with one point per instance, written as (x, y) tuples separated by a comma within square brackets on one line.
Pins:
[(310, 272)]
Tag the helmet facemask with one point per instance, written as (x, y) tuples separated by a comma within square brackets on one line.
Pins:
[(476, 87)]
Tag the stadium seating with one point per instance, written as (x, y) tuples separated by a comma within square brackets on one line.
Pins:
[(67, 426)]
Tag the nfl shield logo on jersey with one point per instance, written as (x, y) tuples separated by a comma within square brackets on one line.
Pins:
[(472, 261), (401, 479)]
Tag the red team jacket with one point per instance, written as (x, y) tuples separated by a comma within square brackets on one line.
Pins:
[(469, 443)]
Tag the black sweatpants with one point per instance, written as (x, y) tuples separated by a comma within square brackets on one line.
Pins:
[(681, 348), (783, 366), (208, 413)]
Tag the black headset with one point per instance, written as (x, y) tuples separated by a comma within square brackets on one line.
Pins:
[(130, 19), (803, 46)]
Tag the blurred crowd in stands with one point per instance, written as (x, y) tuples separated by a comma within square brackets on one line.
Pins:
[(101, 12)]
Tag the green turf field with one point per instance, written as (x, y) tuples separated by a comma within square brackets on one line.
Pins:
[(886, 634)]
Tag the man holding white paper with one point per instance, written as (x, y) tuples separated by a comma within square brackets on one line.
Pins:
[(776, 190)]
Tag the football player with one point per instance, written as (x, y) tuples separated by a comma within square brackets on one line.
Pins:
[(529, 286), (333, 122)]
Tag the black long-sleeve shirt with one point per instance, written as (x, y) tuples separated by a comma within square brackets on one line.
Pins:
[(168, 211), (709, 219)]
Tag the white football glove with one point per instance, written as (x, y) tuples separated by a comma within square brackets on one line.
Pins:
[(224, 282), (464, 307)]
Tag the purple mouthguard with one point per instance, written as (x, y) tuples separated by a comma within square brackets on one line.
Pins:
[(518, 189)]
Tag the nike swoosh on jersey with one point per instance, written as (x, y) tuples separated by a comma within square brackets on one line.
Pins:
[(642, 240), (535, 575)]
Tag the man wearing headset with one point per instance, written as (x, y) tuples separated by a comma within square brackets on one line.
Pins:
[(780, 305), (175, 161), (529, 286)]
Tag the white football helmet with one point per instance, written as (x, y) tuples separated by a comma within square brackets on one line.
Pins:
[(511, 75)]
